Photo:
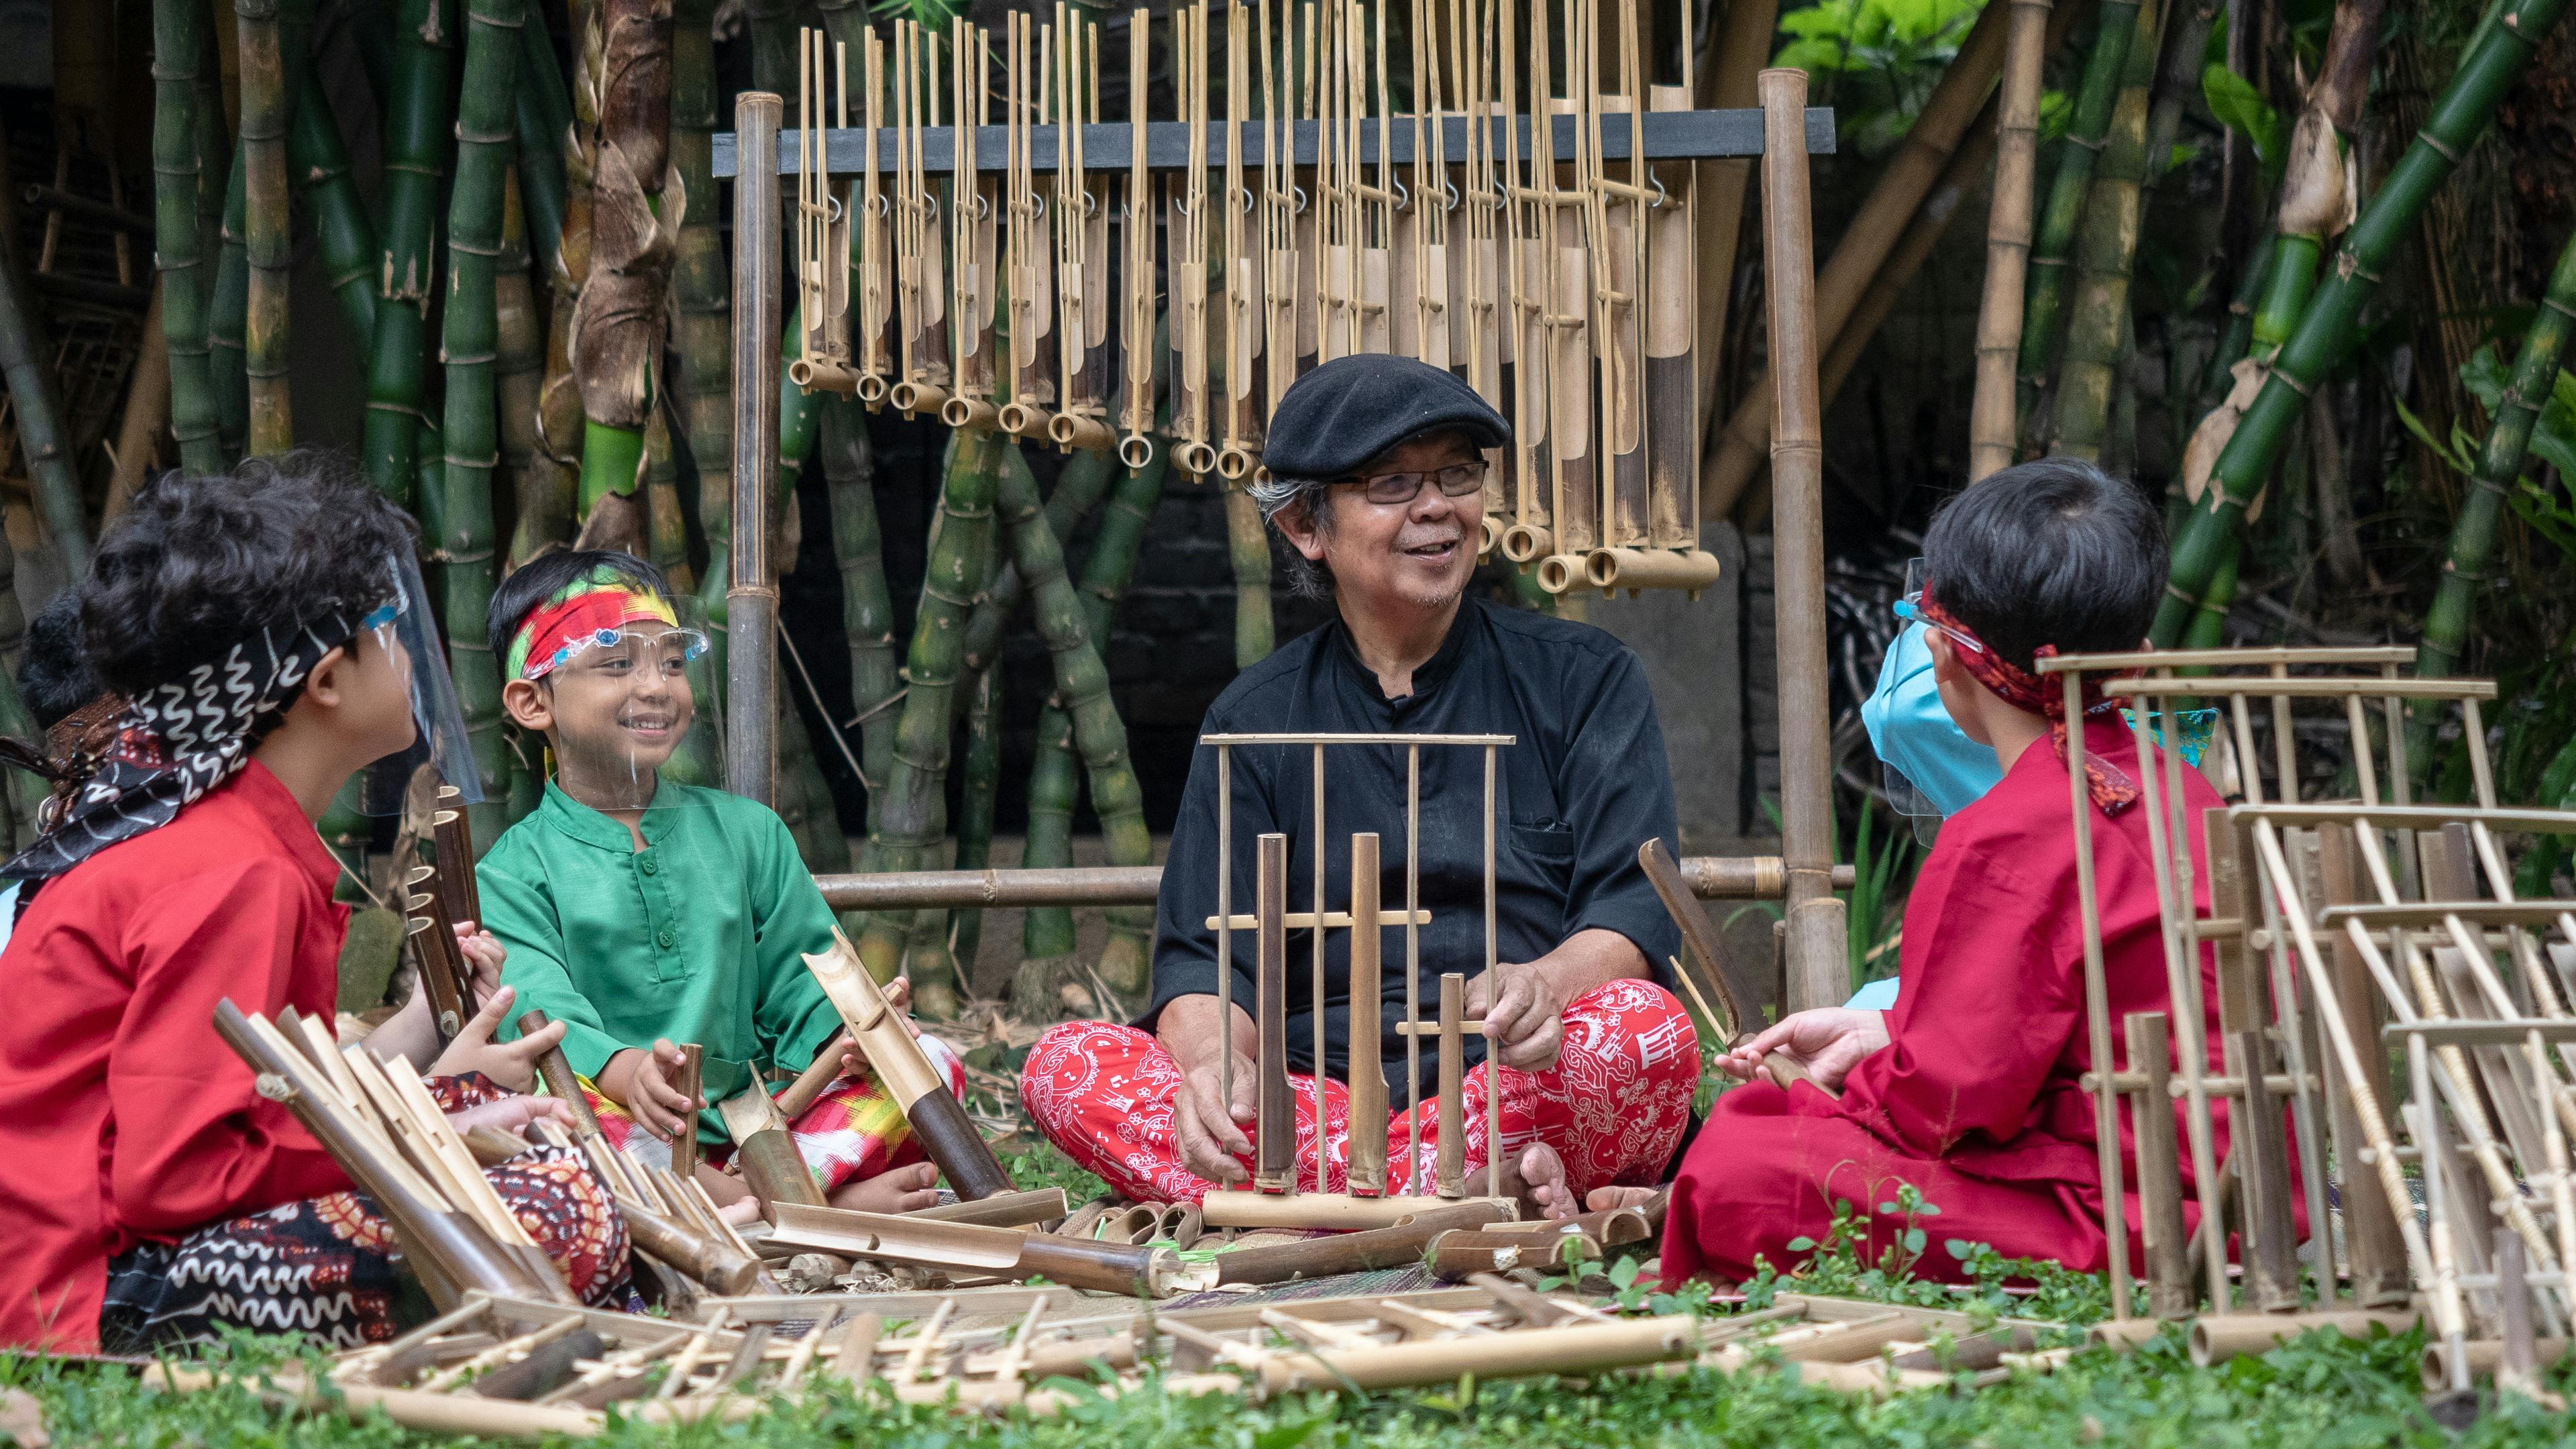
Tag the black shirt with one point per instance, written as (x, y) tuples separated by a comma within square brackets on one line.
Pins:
[(1584, 785)]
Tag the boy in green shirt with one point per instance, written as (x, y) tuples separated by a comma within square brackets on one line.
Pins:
[(639, 911)]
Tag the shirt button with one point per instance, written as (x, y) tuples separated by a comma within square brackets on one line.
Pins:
[(651, 866), (667, 939)]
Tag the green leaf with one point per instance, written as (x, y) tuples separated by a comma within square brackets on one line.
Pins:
[(2456, 462), (1913, 1240), (1801, 1243), (2242, 109)]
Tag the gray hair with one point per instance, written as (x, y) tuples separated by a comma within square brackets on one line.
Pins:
[(1274, 495)]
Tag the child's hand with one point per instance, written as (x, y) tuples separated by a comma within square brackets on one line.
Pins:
[(642, 1083), (898, 994), (510, 1114), (484, 956), (508, 1064)]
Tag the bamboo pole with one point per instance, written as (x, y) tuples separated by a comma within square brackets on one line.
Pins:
[(2096, 325), (1817, 960), (2316, 198), (2087, 125), (178, 118), (147, 409), (549, 501), (228, 309), (417, 123), (1707, 877), (470, 342), (266, 104), (751, 596), (24, 367), (2473, 531), (867, 608), (544, 119), (344, 232), (519, 337), (1900, 188), (1992, 434), (2327, 330)]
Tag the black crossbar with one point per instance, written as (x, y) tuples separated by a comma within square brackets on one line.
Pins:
[(1669, 135)]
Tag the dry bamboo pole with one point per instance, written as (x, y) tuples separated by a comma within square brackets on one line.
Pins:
[(1993, 433), (1817, 960), (751, 596), (147, 408), (1864, 245)]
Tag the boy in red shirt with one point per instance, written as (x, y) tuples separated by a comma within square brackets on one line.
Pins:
[(1969, 1089), (254, 623)]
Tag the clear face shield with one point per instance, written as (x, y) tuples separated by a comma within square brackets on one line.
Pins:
[(629, 705), (407, 633)]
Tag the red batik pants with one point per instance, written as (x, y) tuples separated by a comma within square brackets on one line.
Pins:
[(1613, 1106)]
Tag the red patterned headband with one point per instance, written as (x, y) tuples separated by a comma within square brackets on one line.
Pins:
[(2111, 787)]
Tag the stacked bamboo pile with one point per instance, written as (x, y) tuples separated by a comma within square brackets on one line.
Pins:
[(2342, 932)]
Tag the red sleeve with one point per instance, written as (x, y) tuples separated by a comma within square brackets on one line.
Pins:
[(1986, 1010), (194, 1142)]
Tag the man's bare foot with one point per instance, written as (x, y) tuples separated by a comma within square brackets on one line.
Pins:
[(1607, 1199), (1542, 1182), (903, 1190)]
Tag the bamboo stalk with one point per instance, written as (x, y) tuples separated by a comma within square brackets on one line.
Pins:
[(2327, 331), (1248, 546), (701, 293), (549, 502), (2473, 531), (266, 105), (982, 781), (635, 218), (867, 608), (228, 309), (1882, 218), (2087, 128), (41, 441), (469, 340), (2096, 336), (910, 826), (751, 590), (147, 410), (1082, 687), (519, 340), (345, 233), (417, 123), (544, 116), (178, 121), (1992, 434), (1817, 960)]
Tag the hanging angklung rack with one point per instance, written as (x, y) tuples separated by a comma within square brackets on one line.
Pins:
[(1327, 186)]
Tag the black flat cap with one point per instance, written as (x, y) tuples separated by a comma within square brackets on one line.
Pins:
[(1351, 409)]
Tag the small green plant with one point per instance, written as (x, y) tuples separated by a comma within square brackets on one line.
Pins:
[(1875, 61)]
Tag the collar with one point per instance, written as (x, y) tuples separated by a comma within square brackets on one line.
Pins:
[(259, 790), (1431, 673), (593, 827)]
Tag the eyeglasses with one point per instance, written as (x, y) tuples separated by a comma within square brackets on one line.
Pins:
[(1456, 481), (623, 656)]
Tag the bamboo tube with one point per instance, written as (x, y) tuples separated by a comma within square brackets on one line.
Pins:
[(2105, 70), (2169, 1288), (1992, 434), (559, 1079), (1672, 369), (684, 1143), (178, 49), (751, 595), (1704, 877), (1632, 569), (2326, 333), (1367, 1111), (1591, 1347), (1275, 1110), (470, 344), (1449, 1170), (344, 232), (266, 105), (1397, 1245), (946, 1132), (1909, 174), (2218, 1337), (417, 124), (1817, 961), (1332, 1210)]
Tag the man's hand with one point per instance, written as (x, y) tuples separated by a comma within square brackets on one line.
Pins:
[(1828, 1041), (508, 1064), (1523, 1009), (1211, 1127), (641, 1082), (510, 1114)]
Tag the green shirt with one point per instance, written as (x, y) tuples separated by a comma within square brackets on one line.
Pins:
[(698, 937)]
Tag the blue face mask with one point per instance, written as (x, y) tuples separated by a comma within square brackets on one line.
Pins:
[(1933, 768)]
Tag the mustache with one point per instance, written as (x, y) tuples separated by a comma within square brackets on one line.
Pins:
[(1428, 538)]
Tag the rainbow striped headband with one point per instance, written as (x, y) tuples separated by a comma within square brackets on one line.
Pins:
[(587, 613)]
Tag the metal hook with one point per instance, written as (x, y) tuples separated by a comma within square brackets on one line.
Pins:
[(1301, 199), (1661, 195), (1452, 188), (1403, 195)]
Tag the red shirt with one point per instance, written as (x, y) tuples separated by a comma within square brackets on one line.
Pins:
[(123, 1116)]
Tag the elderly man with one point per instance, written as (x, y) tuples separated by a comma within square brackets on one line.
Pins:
[(1376, 478)]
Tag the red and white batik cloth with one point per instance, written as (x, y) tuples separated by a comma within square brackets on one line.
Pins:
[(853, 1132), (1613, 1106)]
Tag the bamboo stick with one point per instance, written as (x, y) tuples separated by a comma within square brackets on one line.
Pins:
[(751, 595), (1275, 1111), (1449, 1171), (1367, 1111), (1817, 960), (916, 1087), (1992, 434), (1333, 1210), (1704, 877)]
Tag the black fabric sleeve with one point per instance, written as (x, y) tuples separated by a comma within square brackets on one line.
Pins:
[(1617, 789), (1185, 958)]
